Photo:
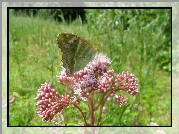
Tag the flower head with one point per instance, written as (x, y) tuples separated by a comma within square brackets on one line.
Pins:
[(96, 77), (127, 82), (50, 102)]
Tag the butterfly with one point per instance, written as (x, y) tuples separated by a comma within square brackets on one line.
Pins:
[(76, 51)]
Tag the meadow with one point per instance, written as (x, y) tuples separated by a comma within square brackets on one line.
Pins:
[(142, 47)]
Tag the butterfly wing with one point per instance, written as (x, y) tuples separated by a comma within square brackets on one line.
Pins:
[(76, 51)]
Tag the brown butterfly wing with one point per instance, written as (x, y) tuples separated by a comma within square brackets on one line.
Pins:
[(76, 51)]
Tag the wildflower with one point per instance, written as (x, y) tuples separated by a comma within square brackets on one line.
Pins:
[(121, 100), (127, 82), (50, 102), (96, 77)]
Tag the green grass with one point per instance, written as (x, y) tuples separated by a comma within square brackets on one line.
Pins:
[(34, 58)]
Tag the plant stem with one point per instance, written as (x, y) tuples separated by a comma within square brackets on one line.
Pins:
[(101, 108), (81, 113), (92, 110)]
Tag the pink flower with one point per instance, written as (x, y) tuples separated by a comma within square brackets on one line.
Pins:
[(127, 82), (121, 100), (50, 102), (105, 82), (96, 77)]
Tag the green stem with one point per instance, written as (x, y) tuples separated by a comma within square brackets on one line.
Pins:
[(101, 108)]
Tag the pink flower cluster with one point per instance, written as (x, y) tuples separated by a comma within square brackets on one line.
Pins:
[(50, 102), (94, 78)]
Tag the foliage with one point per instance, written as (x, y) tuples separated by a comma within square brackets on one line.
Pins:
[(155, 24), (137, 40), (62, 15)]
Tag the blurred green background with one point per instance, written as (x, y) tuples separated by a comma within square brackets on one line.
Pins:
[(136, 40)]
